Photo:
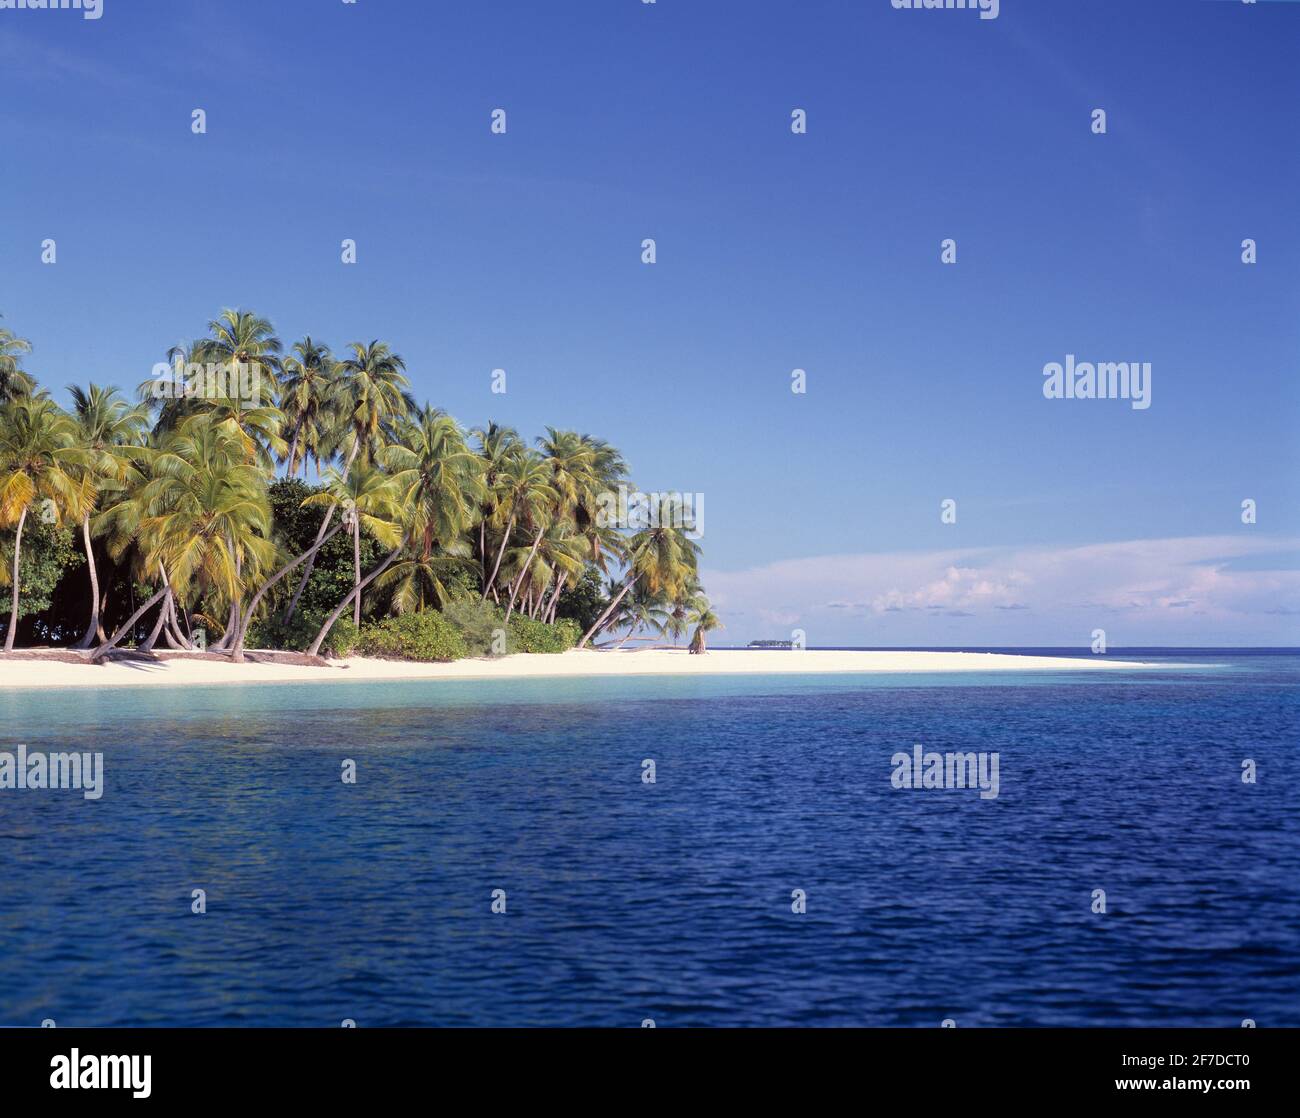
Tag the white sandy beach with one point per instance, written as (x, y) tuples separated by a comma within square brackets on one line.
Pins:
[(180, 672)]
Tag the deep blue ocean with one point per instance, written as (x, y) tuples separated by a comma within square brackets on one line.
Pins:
[(673, 900)]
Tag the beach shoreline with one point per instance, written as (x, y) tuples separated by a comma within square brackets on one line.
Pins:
[(26, 674)]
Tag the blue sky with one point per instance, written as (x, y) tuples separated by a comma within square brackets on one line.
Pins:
[(776, 251)]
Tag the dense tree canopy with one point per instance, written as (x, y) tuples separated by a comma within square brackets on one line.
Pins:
[(186, 518)]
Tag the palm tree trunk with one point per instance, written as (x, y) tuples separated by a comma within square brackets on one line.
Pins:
[(127, 626), (491, 582), (293, 450), (237, 655), (608, 610), (333, 617), (13, 612), (171, 633), (523, 572), (356, 569), (93, 627), (175, 637), (320, 535), (162, 620), (232, 623), (548, 614)]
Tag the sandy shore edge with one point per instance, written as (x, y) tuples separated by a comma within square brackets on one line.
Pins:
[(178, 672)]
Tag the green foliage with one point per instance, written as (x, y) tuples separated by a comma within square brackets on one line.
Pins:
[(476, 621), (48, 552), (272, 633), (342, 639), (424, 635), (527, 635), (585, 602), (295, 526), (332, 574)]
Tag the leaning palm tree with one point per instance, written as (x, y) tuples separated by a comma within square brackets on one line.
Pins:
[(571, 461), (39, 458), (560, 558), (524, 496), (201, 518), (644, 613), (662, 559), (369, 499), (14, 383), (369, 400), (112, 430), (402, 531)]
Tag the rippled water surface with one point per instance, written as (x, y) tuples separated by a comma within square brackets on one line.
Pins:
[(673, 900)]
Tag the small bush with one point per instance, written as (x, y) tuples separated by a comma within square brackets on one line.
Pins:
[(527, 635), (272, 632), (476, 621), (342, 640), (570, 631), (425, 635), (297, 636)]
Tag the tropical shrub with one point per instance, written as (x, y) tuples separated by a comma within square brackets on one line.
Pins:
[(527, 635), (585, 602), (48, 553), (343, 639), (423, 635), (476, 621)]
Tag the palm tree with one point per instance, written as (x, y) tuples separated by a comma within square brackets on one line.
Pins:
[(526, 493), (574, 481), (314, 650), (662, 559), (498, 446), (14, 383), (369, 499), (643, 612), (201, 518), (369, 399), (305, 395), (560, 558), (241, 339), (38, 459), (112, 430), (704, 620), (440, 485), (677, 615)]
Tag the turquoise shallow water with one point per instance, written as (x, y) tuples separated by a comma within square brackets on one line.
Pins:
[(673, 900)]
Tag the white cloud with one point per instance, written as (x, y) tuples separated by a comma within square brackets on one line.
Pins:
[(1197, 590)]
